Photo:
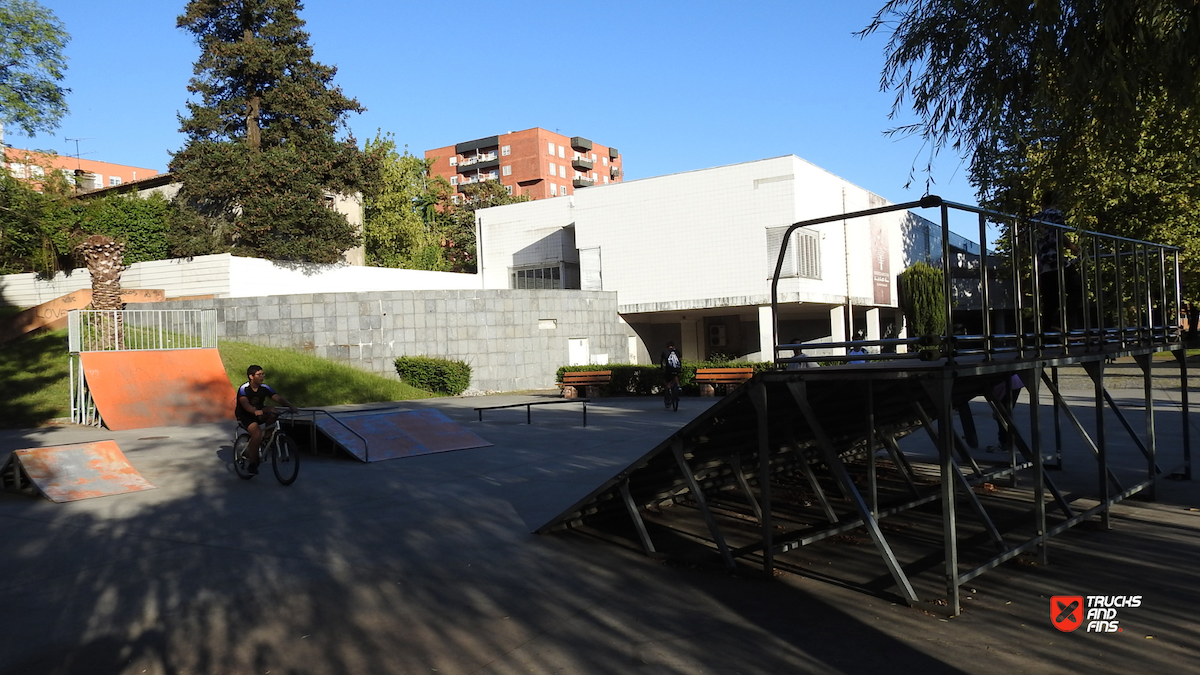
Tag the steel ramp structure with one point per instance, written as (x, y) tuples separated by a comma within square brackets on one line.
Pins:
[(377, 435), (137, 389), (68, 473), (799, 455)]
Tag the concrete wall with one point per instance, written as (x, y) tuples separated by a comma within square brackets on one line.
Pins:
[(225, 275), (512, 339)]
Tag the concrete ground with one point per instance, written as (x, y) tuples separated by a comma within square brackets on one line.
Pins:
[(427, 565)]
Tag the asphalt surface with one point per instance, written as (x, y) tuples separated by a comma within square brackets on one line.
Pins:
[(427, 565)]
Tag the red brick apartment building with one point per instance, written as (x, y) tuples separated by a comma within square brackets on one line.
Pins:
[(88, 174), (534, 162)]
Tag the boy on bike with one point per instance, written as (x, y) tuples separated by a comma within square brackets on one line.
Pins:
[(250, 412), (672, 365)]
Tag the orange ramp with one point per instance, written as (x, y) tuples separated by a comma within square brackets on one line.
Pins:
[(136, 389), (67, 473)]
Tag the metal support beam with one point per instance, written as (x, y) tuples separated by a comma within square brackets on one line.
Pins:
[(902, 465), (637, 518), (758, 396), (800, 394), (701, 502), (1095, 369), (1061, 404), (735, 465), (1181, 357), (1146, 363), (872, 479), (813, 483)]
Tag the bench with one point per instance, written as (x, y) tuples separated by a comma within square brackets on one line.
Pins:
[(708, 377), (573, 380), (529, 407)]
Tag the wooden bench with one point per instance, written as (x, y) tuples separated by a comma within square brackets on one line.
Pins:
[(573, 380), (708, 377)]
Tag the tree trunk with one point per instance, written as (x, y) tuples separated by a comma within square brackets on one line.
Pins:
[(105, 260)]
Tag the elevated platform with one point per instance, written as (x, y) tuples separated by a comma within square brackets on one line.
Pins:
[(68, 473), (794, 457)]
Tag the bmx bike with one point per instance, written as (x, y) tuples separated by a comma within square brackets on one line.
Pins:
[(285, 455), (671, 395)]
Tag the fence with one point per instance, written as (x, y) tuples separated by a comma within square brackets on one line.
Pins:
[(127, 330), (1111, 293)]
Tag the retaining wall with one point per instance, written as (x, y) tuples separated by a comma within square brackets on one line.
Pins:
[(513, 339)]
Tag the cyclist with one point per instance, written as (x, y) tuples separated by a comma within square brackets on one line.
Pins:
[(672, 365), (253, 413)]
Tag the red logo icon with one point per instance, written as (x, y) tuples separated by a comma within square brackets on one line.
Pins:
[(1066, 612)]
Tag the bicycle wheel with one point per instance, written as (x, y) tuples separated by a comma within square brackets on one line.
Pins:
[(239, 462), (675, 398), (285, 460)]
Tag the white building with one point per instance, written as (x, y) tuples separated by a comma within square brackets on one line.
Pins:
[(691, 256)]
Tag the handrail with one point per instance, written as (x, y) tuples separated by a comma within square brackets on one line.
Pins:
[(366, 446), (1117, 305)]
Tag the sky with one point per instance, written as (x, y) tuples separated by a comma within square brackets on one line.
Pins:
[(674, 86)]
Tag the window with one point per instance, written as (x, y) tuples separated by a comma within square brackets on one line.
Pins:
[(36, 171), (593, 157), (606, 179), (507, 170), (577, 176), (562, 170), (508, 189), (564, 191), (114, 180), (454, 180), (537, 277), (506, 150), (803, 258), (553, 190), (553, 169), (604, 160), (17, 169), (562, 153), (454, 198), (576, 157), (453, 160), (550, 148)]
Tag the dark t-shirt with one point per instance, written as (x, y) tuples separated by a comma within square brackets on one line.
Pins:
[(256, 398), (665, 361)]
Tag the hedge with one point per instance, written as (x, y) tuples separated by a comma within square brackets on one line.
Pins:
[(441, 376), (647, 380)]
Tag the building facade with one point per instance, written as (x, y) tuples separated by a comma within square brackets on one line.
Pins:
[(85, 174), (691, 256), (534, 162)]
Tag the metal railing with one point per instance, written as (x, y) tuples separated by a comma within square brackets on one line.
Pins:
[(1113, 292), (127, 329)]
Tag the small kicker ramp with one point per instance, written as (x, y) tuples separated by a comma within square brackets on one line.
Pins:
[(376, 436), (136, 389), (68, 473)]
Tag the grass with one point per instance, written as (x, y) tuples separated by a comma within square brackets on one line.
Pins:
[(35, 385), (312, 381)]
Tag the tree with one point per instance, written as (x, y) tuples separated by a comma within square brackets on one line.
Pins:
[(1092, 99), (398, 231), (31, 64), (263, 153), (456, 220)]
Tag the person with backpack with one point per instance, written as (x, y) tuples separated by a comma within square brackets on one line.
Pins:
[(672, 364)]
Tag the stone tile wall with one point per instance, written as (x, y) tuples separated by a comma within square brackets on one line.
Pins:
[(497, 332)]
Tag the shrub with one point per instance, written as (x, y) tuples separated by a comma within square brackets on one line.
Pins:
[(432, 374), (922, 299)]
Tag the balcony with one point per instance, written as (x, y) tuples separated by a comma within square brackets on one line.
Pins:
[(583, 182), (580, 143), (583, 164), (614, 172), (478, 163), (613, 154)]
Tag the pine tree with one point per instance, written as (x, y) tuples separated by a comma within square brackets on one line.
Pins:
[(263, 154)]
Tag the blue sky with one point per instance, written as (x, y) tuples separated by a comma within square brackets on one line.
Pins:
[(674, 86)]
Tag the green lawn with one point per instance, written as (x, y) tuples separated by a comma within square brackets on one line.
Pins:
[(35, 385)]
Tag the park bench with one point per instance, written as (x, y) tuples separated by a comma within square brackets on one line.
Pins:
[(590, 380), (708, 378)]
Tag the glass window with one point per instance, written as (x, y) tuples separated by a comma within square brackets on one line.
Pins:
[(507, 171), (453, 160), (553, 190), (506, 150), (550, 148), (553, 169), (508, 189), (562, 152), (454, 180), (605, 160)]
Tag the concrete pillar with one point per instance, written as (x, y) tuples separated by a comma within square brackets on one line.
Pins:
[(690, 339), (873, 327), (766, 346), (837, 325)]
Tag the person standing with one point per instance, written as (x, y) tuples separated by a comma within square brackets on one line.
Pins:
[(672, 364)]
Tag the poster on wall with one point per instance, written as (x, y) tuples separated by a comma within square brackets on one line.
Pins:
[(881, 271)]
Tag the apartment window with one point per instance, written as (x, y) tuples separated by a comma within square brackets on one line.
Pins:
[(505, 150), (606, 179), (508, 189), (564, 191), (453, 160), (36, 171), (114, 180), (537, 277), (577, 175), (605, 160), (507, 170), (553, 169), (553, 190), (562, 170), (593, 157), (550, 148), (454, 180), (17, 169), (454, 198), (562, 153)]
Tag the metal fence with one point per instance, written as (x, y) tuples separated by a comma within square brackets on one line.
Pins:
[(126, 330), (1111, 292)]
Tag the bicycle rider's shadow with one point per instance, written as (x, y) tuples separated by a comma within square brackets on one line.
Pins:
[(225, 454)]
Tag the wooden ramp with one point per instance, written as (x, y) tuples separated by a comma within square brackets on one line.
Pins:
[(136, 389), (68, 473)]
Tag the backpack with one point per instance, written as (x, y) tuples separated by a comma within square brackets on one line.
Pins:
[(673, 359)]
